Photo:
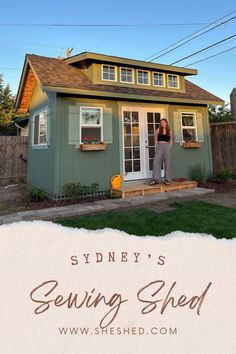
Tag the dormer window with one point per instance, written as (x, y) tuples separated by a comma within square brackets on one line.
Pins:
[(109, 73), (158, 79), (155, 79), (143, 77), (127, 75), (173, 81)]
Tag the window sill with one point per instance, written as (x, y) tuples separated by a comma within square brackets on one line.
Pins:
[(191, 144), (40, 147), (93, 147)]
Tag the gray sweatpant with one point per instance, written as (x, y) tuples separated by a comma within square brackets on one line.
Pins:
[(162, 154)]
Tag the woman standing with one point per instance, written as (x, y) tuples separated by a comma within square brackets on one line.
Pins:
[(163, 143)]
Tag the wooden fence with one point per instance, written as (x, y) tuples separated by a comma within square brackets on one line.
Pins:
[(13, 153), (223, 139)]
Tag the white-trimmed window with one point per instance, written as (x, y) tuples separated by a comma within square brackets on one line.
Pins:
[(143, 77), (189, 127), (39, 136), (91, 125), (158, 79), (127, 75), (173, 81), (109, 73)]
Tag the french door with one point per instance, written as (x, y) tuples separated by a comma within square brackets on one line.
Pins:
[(139, 125)]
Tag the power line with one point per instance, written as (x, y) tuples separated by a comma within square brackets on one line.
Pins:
[(112, 6), (99, 25), (200, 34), (212, 56), (139, 12), (202, 50), (181, 40)]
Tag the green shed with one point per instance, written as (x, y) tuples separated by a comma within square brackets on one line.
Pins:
[(93, 116)]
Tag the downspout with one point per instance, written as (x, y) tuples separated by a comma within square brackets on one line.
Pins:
[(18, 126)]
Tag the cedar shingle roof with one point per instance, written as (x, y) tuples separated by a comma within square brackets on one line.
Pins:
[(56, 73)]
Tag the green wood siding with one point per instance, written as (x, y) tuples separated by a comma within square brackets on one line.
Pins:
[(183, 160), (71, 164), (40, 166), (62, 161)]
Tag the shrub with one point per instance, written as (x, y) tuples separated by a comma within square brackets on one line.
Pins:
[(72, 190), (222, 175), (94, 188), (89, 190), (35, 194), (198, 173)]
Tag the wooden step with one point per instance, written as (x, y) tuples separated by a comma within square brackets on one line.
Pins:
[(126, 191)]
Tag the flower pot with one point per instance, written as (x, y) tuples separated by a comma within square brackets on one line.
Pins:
[(93, 147), (191, 144)]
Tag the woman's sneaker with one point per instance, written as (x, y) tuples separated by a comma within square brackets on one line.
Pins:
[(167, 183), (152, 183)]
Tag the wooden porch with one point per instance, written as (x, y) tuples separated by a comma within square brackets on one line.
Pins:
[(131, 190)]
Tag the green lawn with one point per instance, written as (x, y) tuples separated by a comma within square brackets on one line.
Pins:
[(7, 208), (188, 216)]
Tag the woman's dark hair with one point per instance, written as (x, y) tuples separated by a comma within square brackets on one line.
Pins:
[(167, 127)]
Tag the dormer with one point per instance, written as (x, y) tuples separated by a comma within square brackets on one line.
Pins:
[(116, 71)]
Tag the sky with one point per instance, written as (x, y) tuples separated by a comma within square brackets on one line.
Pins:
[(49, 28)]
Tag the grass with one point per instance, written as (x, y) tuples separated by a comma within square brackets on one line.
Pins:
[(6, 208), (188, 216)]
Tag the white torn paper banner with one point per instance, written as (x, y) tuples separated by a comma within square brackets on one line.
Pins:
[(69, 291)]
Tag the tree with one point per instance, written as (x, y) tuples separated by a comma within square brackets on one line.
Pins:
[(6, 104), (7, 112), (219, 113)]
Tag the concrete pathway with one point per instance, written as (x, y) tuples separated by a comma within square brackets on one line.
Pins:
[(101, 206)]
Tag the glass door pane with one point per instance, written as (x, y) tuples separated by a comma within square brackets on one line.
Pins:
[(132, 162)]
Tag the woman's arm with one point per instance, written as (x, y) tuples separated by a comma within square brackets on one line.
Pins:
[(156, 136), (171, 137)]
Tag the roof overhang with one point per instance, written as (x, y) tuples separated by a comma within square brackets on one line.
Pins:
[(27, 83), (94, 57), (120, 96)]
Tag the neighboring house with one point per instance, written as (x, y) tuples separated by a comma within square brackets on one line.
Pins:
[(21, 126), (99, 98)]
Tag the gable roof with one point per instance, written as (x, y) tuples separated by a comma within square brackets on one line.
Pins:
[(57, 75)]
